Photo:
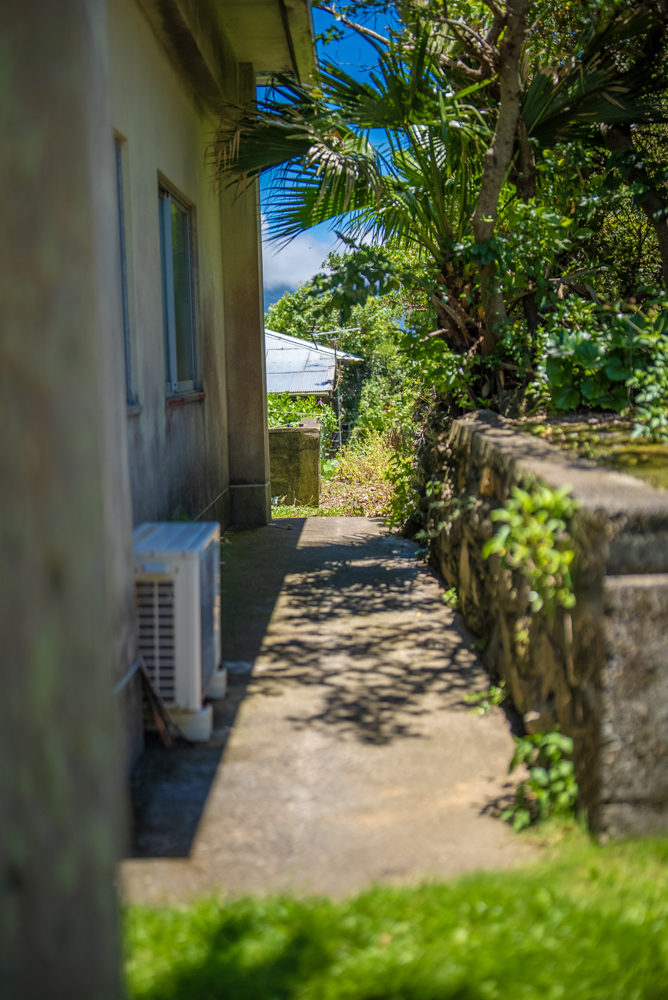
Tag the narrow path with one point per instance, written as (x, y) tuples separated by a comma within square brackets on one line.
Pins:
[(348, 755)]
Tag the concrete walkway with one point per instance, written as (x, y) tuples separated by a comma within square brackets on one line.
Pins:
[(348, 755)]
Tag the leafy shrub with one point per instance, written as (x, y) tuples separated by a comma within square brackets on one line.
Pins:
[(612, 361), (550, 789), (284, 410), (593, 372), (533, 538), (364, 459), (649, 381)]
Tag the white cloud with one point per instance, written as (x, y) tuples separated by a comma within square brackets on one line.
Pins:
[(298, 261)]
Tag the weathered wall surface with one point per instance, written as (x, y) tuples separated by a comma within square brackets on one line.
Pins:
[(633, 767), (597, 669), (66, 617), (295, 464), (181, 455)]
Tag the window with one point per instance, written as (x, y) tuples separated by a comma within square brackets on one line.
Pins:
[(177, 293), (129, 393)]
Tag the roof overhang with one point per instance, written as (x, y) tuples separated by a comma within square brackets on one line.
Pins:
[(277, 36), (208, 39)]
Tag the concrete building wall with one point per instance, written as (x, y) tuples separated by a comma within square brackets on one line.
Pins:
[(179, 454)]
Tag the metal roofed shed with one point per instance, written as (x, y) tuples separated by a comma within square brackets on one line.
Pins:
[(302, 367)]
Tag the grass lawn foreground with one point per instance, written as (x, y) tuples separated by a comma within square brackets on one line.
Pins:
[(591, 923)]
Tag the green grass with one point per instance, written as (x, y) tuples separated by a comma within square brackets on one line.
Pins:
[(591, 924), (301, 510)]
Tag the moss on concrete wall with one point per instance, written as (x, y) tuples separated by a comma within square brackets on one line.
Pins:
[(295, 464)]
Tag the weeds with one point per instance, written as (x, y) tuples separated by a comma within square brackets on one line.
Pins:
[(451, 598), (533, 539), (484, 701), (550, 789), (358, 484)]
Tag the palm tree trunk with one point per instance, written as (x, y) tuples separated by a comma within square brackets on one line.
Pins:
[(497, 162)]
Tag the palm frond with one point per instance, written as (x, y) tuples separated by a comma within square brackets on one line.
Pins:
[(563, 101)]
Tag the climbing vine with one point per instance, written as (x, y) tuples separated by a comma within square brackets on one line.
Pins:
[(533, 538), (551, 788)]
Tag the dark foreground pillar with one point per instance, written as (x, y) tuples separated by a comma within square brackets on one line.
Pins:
[(64, 535)]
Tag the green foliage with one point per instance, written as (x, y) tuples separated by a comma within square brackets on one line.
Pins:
[(450, 598), (611, 360), (588, 362), (484, 701), (592, 923), (397, 158), (284, 410), (328, 468), (550, 789), (401, 475), (303, 510), (369, 271), (533, 539), (649, 382)]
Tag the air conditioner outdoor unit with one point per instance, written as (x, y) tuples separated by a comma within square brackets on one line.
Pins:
[(177, 592)]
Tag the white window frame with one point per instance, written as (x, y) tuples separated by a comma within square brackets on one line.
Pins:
[(172, 383)]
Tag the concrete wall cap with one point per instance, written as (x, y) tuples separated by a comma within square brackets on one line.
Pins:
[(523, 455)]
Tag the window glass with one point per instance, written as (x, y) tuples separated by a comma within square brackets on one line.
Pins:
[(177, 293), (183, 313)]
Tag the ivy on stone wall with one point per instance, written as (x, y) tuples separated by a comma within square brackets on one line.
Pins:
[(533, 538)]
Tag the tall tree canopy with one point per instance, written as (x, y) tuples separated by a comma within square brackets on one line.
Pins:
[(487, 138)]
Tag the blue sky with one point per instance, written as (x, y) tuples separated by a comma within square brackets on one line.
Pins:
[(303, 257)]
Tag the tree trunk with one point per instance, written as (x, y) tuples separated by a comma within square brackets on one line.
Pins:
[(65, 530), (619, 139), (525, 185), (497, 163)]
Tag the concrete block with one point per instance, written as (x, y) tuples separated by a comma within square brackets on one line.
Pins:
[(294, 454), (250, 504)]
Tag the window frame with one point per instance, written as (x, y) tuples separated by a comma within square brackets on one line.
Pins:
[(173, 385), (119, 150)]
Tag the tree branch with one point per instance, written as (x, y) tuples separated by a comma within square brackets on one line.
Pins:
[(477, 43), (360, 28)]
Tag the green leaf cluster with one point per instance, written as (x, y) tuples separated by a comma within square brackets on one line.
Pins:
[(612, 360), (484, 701), (533, 538), (551, 788), (284, 410)]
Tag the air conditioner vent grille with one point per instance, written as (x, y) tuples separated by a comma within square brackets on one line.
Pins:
[(155, 610)]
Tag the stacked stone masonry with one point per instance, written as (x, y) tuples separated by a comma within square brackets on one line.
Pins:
[(600, 670)]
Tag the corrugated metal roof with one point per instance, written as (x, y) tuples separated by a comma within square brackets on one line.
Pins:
[(299, 366)]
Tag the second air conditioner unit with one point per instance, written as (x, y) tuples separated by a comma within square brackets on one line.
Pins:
[(177, 593)]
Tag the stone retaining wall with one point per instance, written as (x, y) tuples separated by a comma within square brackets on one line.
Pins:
[(600, 670)]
